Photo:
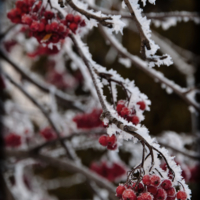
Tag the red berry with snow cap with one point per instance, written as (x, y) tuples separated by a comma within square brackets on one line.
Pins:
[(181, 195), (155, 180), (146, 196), (129, 194), (146, 180), (171, 192), (125, 112), (120, 105), (161, 194)]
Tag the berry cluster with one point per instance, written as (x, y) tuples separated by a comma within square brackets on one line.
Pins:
[(152, 188), (46, 26), (13, 140), (108, 141), (48, 134), (89, 120), (129, 113), (109, 172)]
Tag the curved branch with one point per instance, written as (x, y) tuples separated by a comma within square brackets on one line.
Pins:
[(137, 62)]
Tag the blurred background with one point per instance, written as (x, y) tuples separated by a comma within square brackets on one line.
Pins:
[(168, 112)]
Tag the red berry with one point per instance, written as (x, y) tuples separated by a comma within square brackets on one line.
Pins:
[(139, 188), (152, 190), (82, 24), (161, 194), (155, 180), (171, 192), (146, 180), (73, 27), (181, 195), (129, 194), (35, 26), (13, 140), (166, 184), (112, 147), (48, 14), (27, 19), (54, 26), (41, 26), (48, 28), (146, 196), (135, 119), (112, 140), (103, 140), (120, 105), (120, 189), (125, 112), (69, 18), (48, 133), (77, 19), (142, 105)]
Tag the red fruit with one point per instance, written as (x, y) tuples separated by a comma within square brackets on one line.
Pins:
[(35, 26), (120, 189), (48, 14), (125, 112), (19, 4), (112, 147), (48, 28), (166, 184), (171, 192), (54, 26), (77, 19), (69, 18), (139, 188), (161, 194), (129, 194), (55, 38), (181, 195), (73, 27), (103, 140), (48, 133), (142, 105), (152, 190), (61, 28), (146, 180), (155, 180), (120, 105), (146, 196), (13, 140), (82, 24), (112, 140), (135, 119), (41, 26), (26, 19)]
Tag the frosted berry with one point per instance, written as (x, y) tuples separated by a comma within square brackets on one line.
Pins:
[(120, 105), (146, 180), (135, 119), (139, 188), (155, 180), (166, 184), (69, 18), (146, 196), (142, 105), (119, 190), (129, 194), (181, 195), (27, 19), (48, 14), (171, 192), (103, 140), (161, 194), (152, 190), (112, 140), (125, 112)]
